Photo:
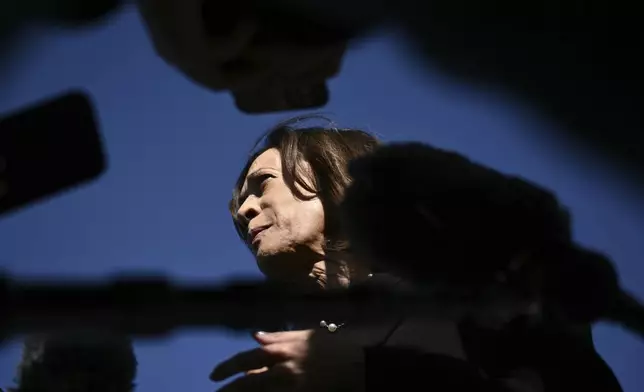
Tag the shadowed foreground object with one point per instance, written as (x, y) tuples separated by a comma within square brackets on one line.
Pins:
[(162, 307), (77, 362), (15, 15), (47, 149), (576, 62), (465, 230)]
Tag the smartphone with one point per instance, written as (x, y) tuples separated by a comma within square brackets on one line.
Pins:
[(48, 148)]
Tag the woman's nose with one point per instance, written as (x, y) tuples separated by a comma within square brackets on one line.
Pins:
[(248, 210)]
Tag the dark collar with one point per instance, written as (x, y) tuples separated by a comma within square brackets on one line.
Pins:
[(376, 282)]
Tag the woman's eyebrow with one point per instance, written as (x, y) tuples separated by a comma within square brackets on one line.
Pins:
[(257, 173)]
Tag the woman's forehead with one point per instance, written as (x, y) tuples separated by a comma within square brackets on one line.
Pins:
[(269, 159)]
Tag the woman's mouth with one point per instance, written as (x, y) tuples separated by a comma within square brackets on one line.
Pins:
[(254, 234)]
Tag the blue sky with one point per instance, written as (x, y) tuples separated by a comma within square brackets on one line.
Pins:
[(175, 150)]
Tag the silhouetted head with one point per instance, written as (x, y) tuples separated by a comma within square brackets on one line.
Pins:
[(443, 221), (285, 203), (77, 362), (463, 230), (428, 212)]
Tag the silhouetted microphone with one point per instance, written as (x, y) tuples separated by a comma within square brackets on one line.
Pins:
[(154, 306), (48, 148)]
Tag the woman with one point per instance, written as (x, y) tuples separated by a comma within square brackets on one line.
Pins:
[(285, 208)]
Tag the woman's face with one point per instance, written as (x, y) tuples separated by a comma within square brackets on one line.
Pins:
[(284, 232)]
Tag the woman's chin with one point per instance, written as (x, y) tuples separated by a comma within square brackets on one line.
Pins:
[(264, 253)]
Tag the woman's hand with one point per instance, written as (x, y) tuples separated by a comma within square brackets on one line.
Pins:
[(310, 360)]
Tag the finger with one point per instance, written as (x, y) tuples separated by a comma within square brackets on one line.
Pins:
[(272, 380), (248, 360), (257, 371), (265, 338), (249, 383)]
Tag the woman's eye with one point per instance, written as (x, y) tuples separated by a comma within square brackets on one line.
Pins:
[(264, 180)]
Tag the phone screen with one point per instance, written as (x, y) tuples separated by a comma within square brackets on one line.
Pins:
[(48, 148)]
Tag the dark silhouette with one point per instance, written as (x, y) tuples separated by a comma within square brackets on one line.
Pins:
[(443, 221), (576, 62), (47, 149), (77, 362)]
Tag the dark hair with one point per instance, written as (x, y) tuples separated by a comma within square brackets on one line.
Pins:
[(327, 150)]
